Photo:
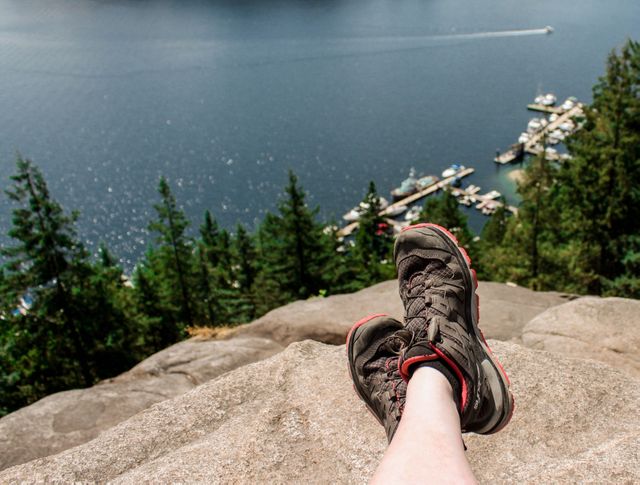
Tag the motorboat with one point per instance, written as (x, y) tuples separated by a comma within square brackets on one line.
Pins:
[(396, 211), (552, 140), (548, 99), (569, 103), (553, 117), (353, 215), (524, 137), (534, 125), (407, 187), (426, 181), (548, 29), (494, 194), (452, 170), (567, 126), (558, 134), (412, 214)]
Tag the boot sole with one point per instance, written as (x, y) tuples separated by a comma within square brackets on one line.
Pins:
[(497, 377), (354, 335)]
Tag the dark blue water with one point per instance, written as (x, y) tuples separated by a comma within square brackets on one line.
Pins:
[(224, 97)]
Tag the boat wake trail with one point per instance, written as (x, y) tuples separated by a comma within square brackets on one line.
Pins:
[(499, 33)]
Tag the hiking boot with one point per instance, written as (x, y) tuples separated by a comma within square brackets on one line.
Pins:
[(437, 287), (372, 351)]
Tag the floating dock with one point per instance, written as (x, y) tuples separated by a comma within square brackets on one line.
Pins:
[(347, 230), (531, 146), (484, 200)]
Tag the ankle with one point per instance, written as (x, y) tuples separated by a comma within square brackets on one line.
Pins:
[(427, 380)]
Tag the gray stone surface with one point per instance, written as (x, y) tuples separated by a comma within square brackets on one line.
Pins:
[(604, 329), (504, 310), (69, 418), (294, 418)]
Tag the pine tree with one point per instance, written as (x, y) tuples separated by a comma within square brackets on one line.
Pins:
[(292, 250), (245, 261), (62, 323), (373, 242), (173, 257), (444, 211), (44, 262), (600, 186)]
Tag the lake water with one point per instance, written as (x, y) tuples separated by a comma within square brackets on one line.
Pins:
[(223, 97)]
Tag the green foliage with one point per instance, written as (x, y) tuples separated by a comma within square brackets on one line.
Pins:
[(292, 252), (600, 187), (77, 329), (578, 224), (444, 211), (373, 243), (171, 259)]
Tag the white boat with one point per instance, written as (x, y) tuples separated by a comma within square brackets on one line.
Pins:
[(567, 126), (397, 210), (412, 214), (407, 187), (552, 140), (353, 215), (534, 125), (553, 117), (569, 103), (524, 137), (494, 194), (548, 29), (552, 152), (548, 99), (466, 200), (452, 170), (426, 181)]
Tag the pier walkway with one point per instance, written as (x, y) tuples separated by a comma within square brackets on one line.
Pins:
[(347, 230)]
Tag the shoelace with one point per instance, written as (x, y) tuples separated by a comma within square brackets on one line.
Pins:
[(394, 380), (423, 281)]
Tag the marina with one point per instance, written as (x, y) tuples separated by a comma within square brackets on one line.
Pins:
[(533, 141), (392, 209), (540, 133)]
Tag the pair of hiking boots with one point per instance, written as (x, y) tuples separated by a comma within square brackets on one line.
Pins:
[(437, 287)]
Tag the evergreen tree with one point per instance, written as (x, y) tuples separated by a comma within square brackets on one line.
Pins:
[(373, 242), (531, 251), (45, 262), (158, 318), (61, 323), (293, 251), (599, 187), (444, 211), (245, 261), (173, 257)]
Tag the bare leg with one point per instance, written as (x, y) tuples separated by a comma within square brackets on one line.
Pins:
[(427, 447)]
